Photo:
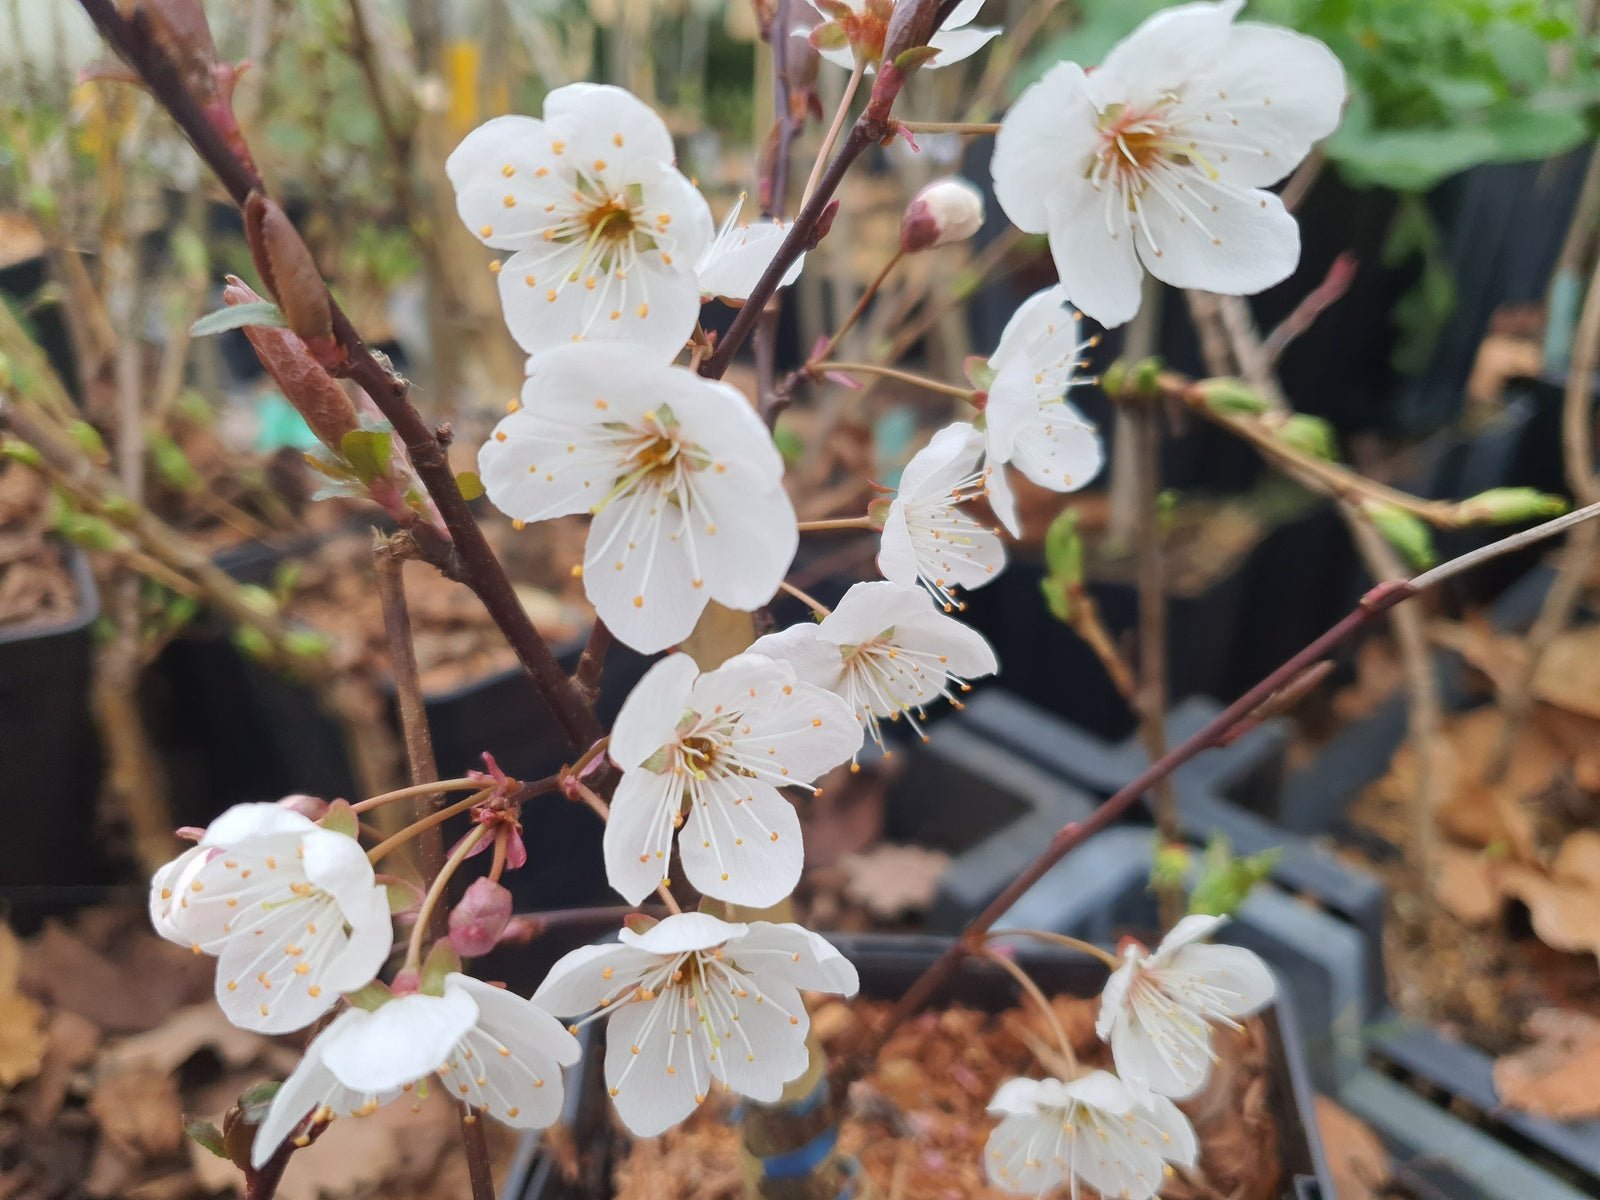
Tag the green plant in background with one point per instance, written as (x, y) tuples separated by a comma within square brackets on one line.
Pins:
[(1223, 880)]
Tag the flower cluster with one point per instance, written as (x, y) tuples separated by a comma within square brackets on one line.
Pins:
[(1118, 1132), (1157, 161)]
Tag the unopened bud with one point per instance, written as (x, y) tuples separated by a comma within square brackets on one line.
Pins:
[(1309, 435), (291, 274), (1508, 505), (299, 376), (1405, 531), (947, 210), (478, 921), (1232, 396)]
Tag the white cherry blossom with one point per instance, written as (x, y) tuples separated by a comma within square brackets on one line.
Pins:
[(1160, 156), (733, 264), (494, 1051), (1094, 1130), (709, 753), (1027, 421), (694, 1001), (605, 229), (1157, 1009), (292, 912), (681, 475), (888, 650), (868, 20), (927, 539)]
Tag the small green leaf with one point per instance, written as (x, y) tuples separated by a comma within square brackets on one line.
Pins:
[(207, 1136), (1232, 396), (88, 439), (341, 818), (368, 451), (21, 452), (171, 463), (262, 313), (1225, 881), (1309, 435), (1405, 532), (1508, 505), (371, 997), (254, 1101), (442, 960), (470, 484), (404, 896)]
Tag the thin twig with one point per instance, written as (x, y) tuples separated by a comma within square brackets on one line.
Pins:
[(420, 763), (921, 381), (592, 662), (1376, 602), (1152, 587)]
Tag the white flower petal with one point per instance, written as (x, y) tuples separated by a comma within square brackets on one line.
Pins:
[(1099, 269), (1244, 243), (799, 957), (1001, 498), (261, 819), (602, 114), (954, 44), (167, 887), (638, 836), (1045, 136), (1176, 43), (1193, 928), (310, 1087), (683, 931), (649, 716), (583, 977), (403, 1040), (741, 842), (649, 1097), (815, 658), (1230, 969)]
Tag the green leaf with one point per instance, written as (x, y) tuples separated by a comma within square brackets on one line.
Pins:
[(1309, 435), (470, 484), (1407, 533), (341, 818), (207, 1136), (1528, 133), (368, 452), (171, 463), (1225, 882), (262, 313), (254, 1101)]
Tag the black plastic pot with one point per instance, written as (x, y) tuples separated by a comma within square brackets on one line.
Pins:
[(238, 731), (990, 811), (888, 965), (49, 758), (1231, 791)]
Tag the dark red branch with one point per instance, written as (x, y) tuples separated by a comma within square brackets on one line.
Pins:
[(1070, 837)]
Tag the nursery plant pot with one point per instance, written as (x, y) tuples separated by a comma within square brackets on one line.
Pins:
[(1315, 801), (991, 812), (49, 757), (244, 732), (1221, 792), (887, 965)]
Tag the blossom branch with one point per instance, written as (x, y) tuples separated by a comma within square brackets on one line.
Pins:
[(921, 381), (1215, 732), (420, 762), (468, 557), (873, 125)]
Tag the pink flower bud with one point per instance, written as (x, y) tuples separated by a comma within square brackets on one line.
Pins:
[(477, 922), (947, 210)]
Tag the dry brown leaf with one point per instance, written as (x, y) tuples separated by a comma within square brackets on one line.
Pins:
[(891, 881), (128, 986), (139, 1111), (1470, 810), (1578, 860), (1466, 886), (22, 1032), (1565, 916), (1555, 1075), (201, 1026), (1356, 1157), (72, 1043), (1499, 656), (1567, 672)]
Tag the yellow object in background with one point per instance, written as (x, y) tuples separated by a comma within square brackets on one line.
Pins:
[(463, 73)]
